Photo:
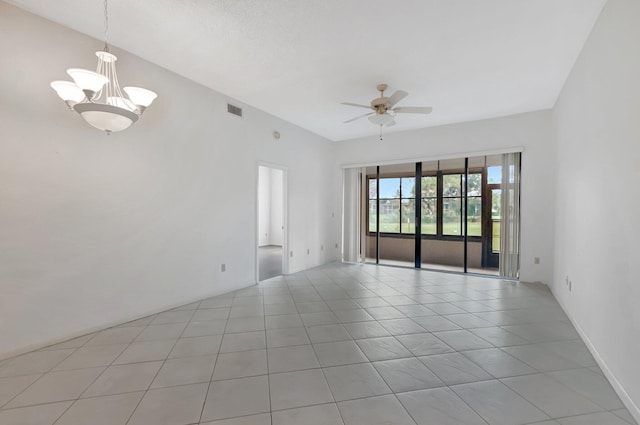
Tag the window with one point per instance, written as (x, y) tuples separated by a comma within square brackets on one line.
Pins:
[(494, 179), (373, 212), (494, 174), (452, 204), (429, 212), (389, 205), (496, 206), (408, 205), (398, 203), (474, 204)]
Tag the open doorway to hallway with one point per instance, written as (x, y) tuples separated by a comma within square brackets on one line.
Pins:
[(271, 240)]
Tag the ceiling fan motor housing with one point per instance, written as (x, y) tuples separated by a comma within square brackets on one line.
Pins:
[(380, 104)]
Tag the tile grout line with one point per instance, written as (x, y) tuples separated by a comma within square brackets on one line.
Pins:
[(73, 401), (322, 369), (51, 370), (161, 366), (42, 375), (215, 363), (266, 353)]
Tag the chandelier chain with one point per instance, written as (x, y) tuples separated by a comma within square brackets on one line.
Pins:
[(106, 26)]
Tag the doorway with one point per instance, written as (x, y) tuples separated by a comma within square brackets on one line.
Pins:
[(492, 240), (271, 219)]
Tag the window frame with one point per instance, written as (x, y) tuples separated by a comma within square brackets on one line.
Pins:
[(437, 199), (439, 205), (398, 176)]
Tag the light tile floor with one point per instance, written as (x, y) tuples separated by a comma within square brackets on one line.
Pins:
[(340, 344)]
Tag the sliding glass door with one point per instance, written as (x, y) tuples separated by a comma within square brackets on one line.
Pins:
[(442, 215), (391, 206)]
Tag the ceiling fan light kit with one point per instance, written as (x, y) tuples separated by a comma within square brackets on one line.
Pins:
[(381, 119), (97, 96), (384, 110)]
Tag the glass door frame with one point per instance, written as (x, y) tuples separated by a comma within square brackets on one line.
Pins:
[(488, 258)]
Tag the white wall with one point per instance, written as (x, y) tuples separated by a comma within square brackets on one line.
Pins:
[(270, 206), (598, 171), (530, 131), (98, 229), (276, 213), (264, 205)]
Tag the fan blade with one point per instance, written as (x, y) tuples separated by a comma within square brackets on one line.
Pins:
[(397, 97), (356, 105), (391, 123), (413, 110), (358, 117)]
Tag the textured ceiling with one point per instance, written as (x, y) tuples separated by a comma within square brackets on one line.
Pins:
[(298, 59)]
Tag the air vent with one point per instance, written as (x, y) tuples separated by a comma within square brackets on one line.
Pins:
[(234, 110)]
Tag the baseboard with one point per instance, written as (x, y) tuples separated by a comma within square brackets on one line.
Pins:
[(631, 406), (303, 269), (40, 345)]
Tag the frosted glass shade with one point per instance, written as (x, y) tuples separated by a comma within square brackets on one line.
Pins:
[(68, 91), (106, 121), (381, 119), (140, 96), (87, 80), (107, 118)]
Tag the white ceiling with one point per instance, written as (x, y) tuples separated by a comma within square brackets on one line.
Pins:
[(298, 59)]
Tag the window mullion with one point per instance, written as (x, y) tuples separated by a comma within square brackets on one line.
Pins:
[(439, 203), (417, 216), (462, 194), (378, 215), (400, 208)]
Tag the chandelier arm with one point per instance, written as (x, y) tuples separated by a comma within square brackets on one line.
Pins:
[(108, 67), (116, 83), (100, 69), (111, 92)]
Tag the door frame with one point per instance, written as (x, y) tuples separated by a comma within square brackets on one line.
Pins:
[(489, 257), (285, 216)]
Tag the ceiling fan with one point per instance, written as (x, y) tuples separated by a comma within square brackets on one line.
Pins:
[(384, 110)]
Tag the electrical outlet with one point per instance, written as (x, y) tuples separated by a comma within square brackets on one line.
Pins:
[(536, 260), (223, 267)]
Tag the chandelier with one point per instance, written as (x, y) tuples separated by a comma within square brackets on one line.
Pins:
[(97, 96)]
